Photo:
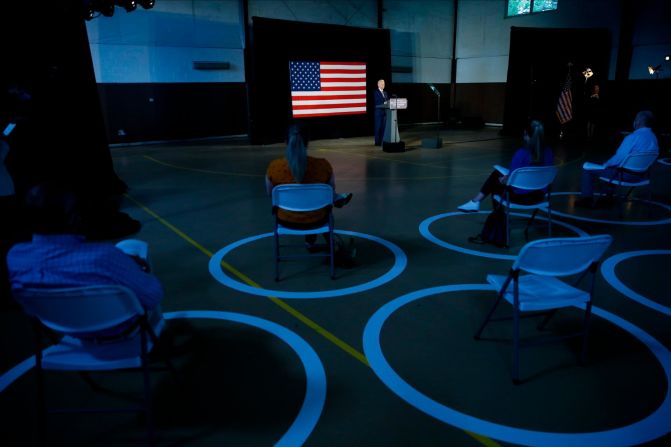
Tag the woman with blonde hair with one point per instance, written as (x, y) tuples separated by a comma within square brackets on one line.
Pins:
[(298, 167)]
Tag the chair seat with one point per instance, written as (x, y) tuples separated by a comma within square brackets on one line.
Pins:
[(282, 230), (75, 354), (80, 354), (518, 206), (643, 182), (540, 292)]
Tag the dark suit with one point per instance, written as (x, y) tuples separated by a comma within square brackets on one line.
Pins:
[(380, 115)]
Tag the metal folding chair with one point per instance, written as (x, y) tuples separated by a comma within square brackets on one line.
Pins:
[(636, 165), (297, 197), (82, 322), (529, 178), (541, 292)]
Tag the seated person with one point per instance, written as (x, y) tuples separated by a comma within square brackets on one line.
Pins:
[(642, 140), (59, 256), (298, 167), (534, 153)]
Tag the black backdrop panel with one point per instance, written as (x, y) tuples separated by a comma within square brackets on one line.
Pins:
[(537, 70), (277, 42)]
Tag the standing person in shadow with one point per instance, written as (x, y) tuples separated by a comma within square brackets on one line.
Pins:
[(297, 167), (593, 112), (381, 97)]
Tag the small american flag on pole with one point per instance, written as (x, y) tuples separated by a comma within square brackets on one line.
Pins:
[(327, 88), (565, 103)]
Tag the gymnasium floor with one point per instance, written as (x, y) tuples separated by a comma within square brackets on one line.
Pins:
[(246, 358)]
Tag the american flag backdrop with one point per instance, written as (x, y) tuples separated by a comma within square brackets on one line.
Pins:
[(565, 103), (327, 88)]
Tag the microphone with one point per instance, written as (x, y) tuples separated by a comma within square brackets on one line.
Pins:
[(394, 95)]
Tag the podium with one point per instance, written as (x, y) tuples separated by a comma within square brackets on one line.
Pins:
[(392, 140)]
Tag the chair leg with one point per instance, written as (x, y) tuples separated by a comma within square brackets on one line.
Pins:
[(586, 324), (147, 389), (41, 395), (489, 315), (529, 222), (516, 346), (546, 320), (332, 253), (166, 355), (277, 257), (549, 212), (507, 227)]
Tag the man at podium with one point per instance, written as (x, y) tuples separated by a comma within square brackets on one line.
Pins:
[(381, 97)]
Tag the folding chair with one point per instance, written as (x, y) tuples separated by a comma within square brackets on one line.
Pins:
[(528, 178), (638, 165), (303, 198), (541, 292), (71, 317)]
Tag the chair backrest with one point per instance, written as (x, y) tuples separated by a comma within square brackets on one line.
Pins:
[(532, 177), (562, 256), (639, 162), (302, 197), (78, 310)]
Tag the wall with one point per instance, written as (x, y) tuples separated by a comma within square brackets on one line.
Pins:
[(651, 40), (146, 57)]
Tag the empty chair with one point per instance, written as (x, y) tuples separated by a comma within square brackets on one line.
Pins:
[(532, 178), (94, 328), (308, 197), (541, 292), (632, 172)]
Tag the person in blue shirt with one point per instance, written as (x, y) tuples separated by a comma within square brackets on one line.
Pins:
[(641, 140), (533, 153), (59, 256)]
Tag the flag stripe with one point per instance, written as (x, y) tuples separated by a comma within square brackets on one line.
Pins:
[(341, 89), (301, 105), (565, 102), (354, 111), (327, 88), (300, 96), (343, 65), (331, 83), (326, 71), (327, 102)]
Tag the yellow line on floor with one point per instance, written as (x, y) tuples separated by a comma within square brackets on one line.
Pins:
[(206, 171), (284, 306), (487, 442)]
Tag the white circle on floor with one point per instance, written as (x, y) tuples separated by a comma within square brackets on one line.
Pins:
[(400, 262), (614, 222), (608, 272), (315, 393), (649, 428), (426, 232)]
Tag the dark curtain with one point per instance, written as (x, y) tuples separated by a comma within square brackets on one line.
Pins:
[(537, 68), (61, 132)]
